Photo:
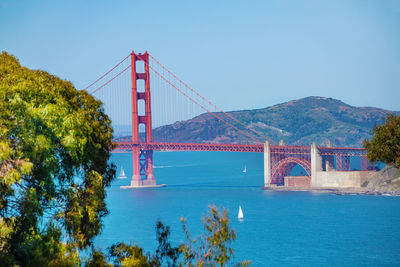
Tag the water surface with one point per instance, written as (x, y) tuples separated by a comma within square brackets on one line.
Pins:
[(280, 228)]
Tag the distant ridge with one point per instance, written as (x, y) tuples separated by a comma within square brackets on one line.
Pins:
[(297, 122)]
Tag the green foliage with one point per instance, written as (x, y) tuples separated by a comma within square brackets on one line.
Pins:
[(385, 143), (213, 246), (97, 259), (129, 255), (132, 255), (45, 249), (40, 249), (166, 254), (55, 143)]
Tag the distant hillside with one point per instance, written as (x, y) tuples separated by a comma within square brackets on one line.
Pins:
[(299, 122)]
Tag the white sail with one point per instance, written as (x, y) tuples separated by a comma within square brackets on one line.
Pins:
[(244, 170), (240, 214), (122, 174)]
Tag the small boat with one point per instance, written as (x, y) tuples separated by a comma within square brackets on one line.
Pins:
[(240, 214), (244, 170), (122, 174)]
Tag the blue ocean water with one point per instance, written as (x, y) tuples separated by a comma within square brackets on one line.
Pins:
[(279, 228)]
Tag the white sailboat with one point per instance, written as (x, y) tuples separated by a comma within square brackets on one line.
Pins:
[(122, 174), (240, 214), (244, 170)]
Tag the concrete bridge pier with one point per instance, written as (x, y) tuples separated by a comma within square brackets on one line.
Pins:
[(316, 163), (267, 164)]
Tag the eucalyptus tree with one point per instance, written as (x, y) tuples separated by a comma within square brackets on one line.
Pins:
[(55, 144)]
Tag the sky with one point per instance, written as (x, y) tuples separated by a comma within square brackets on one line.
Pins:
[(238, 54)]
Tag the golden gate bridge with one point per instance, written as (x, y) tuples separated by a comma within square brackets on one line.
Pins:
[(167, 114)]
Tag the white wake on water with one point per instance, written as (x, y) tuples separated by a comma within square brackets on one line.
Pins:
[(175, 166)]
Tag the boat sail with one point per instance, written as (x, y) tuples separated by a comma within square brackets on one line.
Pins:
[(240, 214), (122, 174), (244, 170)]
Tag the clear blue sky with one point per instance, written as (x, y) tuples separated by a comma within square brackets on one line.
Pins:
[(259, 53)]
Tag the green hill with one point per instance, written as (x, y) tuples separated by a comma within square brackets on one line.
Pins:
[(298, 122)]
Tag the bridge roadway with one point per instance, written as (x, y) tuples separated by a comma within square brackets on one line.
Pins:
[(125, 146)]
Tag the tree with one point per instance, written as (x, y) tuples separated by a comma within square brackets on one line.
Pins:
[(213, 246), (97, 259), (55, 142), (385, 143), (133, 255), (129, 255), (165, 251)]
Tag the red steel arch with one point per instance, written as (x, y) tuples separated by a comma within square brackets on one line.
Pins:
[(280, 167)]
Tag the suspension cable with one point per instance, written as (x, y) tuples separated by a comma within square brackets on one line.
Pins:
[(101, 77), (194, 101), (98, 88), (209, 102)]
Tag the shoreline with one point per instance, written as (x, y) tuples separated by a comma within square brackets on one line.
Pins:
[(331, 190)]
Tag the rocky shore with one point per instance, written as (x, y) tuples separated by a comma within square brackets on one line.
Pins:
[(332, 190), (386, 181)]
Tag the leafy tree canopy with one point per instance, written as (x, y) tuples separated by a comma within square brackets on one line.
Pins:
[(55, 142), (213, 247), (385, 143)]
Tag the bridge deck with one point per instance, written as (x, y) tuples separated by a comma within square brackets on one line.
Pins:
[(124, 146)]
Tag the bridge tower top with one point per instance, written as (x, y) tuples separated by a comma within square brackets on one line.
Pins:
[(141, 94)]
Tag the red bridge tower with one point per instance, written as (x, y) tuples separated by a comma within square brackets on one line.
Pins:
[(142, 159)]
